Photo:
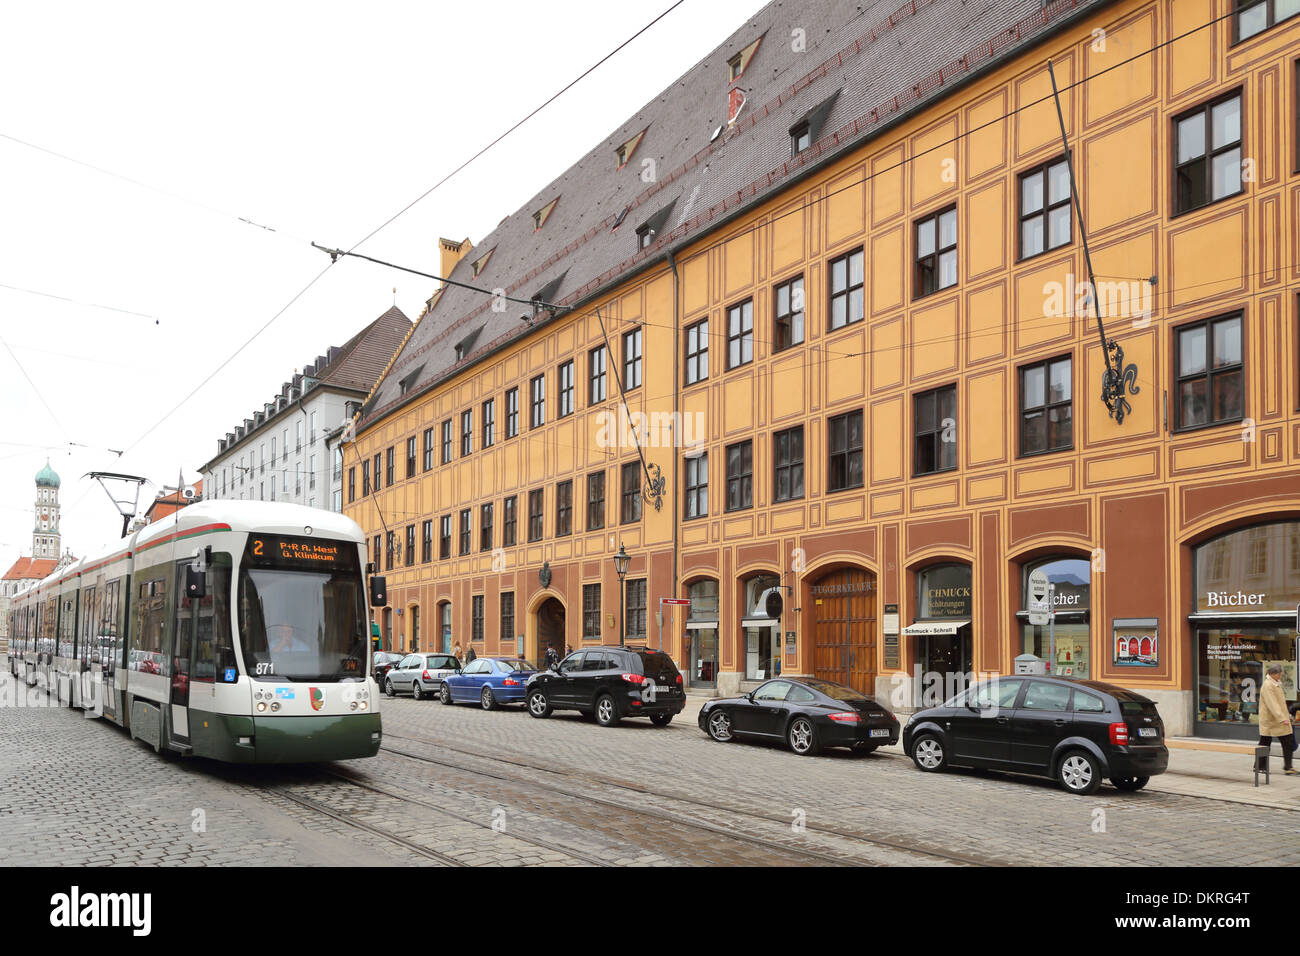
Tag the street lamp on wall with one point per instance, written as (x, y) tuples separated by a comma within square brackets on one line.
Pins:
[(621, 562)]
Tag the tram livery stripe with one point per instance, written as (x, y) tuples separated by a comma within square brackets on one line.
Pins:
[(182, 535)]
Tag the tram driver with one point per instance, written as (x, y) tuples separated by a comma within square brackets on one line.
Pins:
[(285, 638)]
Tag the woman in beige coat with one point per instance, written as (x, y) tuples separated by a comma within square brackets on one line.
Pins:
[(1274, 721)]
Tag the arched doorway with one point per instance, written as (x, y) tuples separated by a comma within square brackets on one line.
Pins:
[(844, 628), (550, 628)]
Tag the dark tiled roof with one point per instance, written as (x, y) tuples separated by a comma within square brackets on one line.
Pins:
[(865, 65), (365, 356)]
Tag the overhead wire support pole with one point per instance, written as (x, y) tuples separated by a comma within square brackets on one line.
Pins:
[(1117, 374)]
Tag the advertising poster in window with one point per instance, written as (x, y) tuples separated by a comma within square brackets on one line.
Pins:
[(1136, 643)]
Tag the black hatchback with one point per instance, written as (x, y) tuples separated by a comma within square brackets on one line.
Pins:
[(807, 713), (1077, 731), (610, 683)]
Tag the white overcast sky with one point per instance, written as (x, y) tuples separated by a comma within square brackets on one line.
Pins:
[(318, 119)]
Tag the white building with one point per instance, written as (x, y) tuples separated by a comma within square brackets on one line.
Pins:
[(279, 453)]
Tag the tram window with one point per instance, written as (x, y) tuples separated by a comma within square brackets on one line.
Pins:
[(151, 614), (214, 652)]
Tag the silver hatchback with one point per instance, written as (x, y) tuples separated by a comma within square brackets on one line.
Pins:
[(420, 675)]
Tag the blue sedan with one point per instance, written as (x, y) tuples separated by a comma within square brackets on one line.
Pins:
[(488, 680)]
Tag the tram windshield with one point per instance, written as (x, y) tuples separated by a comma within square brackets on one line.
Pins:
[(302, 609)]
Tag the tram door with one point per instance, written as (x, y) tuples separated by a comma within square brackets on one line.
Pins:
[(110, 647), (182, 648)]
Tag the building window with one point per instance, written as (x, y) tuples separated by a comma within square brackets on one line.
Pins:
[(696, 504), (787, 327), (697, 352), (740, 476), (444, 538), (564, 508), (446, 442), (740, 334), (800, 138), (538, 389), (565, 395), (298, 432), (632, 359), (428, 449), (1211, 377), (426, 542), (635, 614), (787, 459), (508, 619), (536, 514), (844, 440), (936, 252), (476, 618), (512, 413), (485, 527), (465, 535), (376, 473), (644, 236), (596, 368), (595, 501), (466, 433), (410, 545), (389, 545), (936, 430), (410, 457), (374, 554), (391, 474), (1256, 16), (591, 612), (352, 485), (489, 423), (1207, 154), (508, 521), (365, 479), (631, 504), (846, 290), (1044, 208), (1045, 407)]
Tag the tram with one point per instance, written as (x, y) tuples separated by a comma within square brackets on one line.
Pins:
[(233, 630)]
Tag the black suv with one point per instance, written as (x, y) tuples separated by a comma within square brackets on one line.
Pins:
[(610, 683), (1077, 731)]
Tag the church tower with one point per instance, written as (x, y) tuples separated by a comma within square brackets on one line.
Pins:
[(45, 534)]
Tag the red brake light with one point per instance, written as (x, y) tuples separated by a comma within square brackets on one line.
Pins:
[(679, 678), (846, 717), (510, 682), (633, 678), (1119, 734), (426, 676)]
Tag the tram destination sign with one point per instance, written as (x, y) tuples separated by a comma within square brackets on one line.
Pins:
[(295, 552)]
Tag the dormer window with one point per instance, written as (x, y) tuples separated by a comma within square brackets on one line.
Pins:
[(734, 68), (644, 236), (481, 263), (628, 149), (540, 217), (738, 64), (800, 139)]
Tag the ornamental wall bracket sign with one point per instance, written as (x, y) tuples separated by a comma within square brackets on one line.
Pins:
[(1116, 379), (653, 492), (544, 575)]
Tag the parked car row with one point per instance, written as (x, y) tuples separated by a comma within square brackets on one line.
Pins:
[(1079, 732)]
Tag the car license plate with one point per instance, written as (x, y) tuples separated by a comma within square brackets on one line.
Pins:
[(1148, 732), (882, 732)]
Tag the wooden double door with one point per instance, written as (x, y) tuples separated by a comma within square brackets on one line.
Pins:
[(844, 629)]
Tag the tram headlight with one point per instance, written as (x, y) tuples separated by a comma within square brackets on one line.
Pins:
[(352, 706), (275, 706), (364, 705), (261, 706)]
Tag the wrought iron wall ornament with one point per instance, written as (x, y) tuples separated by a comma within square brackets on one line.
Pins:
[(653, 492), (1116, 379)]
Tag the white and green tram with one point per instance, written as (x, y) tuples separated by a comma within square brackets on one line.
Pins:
[(234, 630)]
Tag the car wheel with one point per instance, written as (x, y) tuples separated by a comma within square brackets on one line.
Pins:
[(417, 692), (1129, 783), (1078, 772), (802, 737), (865, 748), (928, 753), (719, 725), (661, 720), (538, 705), (487, 700), (388, 688), (606, 711), (444, 694)]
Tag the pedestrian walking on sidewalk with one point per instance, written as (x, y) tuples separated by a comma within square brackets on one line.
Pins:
[(1274, 720), (470, 655), (455, 652)]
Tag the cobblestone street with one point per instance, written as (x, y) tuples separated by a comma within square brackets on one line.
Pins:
[(460, 786)]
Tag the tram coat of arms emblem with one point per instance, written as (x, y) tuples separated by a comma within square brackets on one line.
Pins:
[(317, 698)]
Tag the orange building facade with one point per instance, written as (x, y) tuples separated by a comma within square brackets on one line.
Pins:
[(867, 403)]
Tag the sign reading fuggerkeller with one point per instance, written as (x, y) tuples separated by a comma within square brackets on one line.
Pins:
[(1136, 642)]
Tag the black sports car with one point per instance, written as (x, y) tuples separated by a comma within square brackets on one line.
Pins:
[(805, 712)]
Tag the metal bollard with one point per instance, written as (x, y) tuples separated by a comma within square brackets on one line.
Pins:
[(1261, 764)]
